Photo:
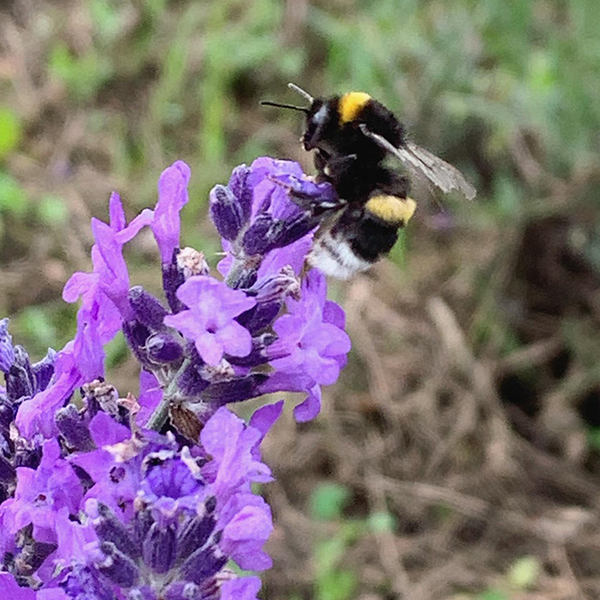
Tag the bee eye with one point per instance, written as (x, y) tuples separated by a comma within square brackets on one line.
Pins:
[(320, 116)]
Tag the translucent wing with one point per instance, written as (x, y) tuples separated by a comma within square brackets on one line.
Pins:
[(425, 164)]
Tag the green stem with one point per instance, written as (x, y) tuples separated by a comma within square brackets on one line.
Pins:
[(161, 413)]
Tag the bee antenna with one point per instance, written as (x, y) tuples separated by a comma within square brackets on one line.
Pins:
[(300, 91), (278, 105)]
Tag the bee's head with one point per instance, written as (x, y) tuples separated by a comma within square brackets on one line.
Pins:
[(319, 119)]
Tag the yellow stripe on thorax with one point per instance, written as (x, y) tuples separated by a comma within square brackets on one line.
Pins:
[(351, 104), (391, 209)]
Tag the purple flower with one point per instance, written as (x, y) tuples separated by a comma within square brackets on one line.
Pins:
[(210, 320), (108, 284), (311, 341), (268, 195), (172, 482), (41, 494), (115, 483), (172, 197), (179, 518), (233, 448), (279, 229), (104, 294), (37, 414), (247, 524)]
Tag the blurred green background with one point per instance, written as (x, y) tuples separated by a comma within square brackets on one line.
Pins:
[(459, 456)]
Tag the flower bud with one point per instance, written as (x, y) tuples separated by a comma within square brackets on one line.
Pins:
[(7, 471), (163, 348), (203, 563), (73, 429), (185, 590), (160, 548), (147, 309), (238, 184), (236, 390), (136, 334), (110, 529), (226, 212), (142, 522), (118, 567), (294, 228), (190, 382), (194, 535), (7, 414), (43, 370), (7, 354), (20, 381)]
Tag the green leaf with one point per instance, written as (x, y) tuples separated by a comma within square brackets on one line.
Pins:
[(116, 351), (53, 210), (593, 438), (337, 585), (38, 325), (381, 522), (492, 595), (328, 500), (11, 131), (524, 572), (13, 198)]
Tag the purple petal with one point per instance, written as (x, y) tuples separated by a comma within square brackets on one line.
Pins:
[(209, 349), (240, 589), (172, 197), (9, 588), (51, 594), (106, 431), (78, 284), (310, 408), (37, 415), (264, 417), (333, 313), (235, 339), (146, 217), (185, 322), (116, 212)]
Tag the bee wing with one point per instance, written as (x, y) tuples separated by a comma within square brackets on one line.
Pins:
[(423, 163)]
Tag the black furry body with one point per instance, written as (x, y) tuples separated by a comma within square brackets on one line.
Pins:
[(374, 199)]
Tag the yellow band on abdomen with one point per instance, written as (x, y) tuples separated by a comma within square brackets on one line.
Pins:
[(391, 209)]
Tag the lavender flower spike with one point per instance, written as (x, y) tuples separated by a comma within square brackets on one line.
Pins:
[(150, 496)]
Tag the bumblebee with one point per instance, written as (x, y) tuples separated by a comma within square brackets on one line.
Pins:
[(352, 135)]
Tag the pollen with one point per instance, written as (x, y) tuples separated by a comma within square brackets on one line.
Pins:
[(351, 104), (391, 209)]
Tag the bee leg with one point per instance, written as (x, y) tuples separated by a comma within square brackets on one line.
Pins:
[(312, 201), (334, 168)]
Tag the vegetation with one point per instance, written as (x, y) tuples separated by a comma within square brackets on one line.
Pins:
[(460, 456)]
